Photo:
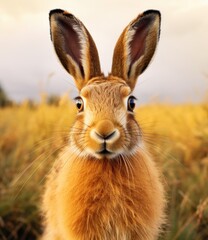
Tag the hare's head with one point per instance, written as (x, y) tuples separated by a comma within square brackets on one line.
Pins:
[(105, 126)]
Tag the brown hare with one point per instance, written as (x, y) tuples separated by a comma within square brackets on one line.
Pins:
[(104, 185)]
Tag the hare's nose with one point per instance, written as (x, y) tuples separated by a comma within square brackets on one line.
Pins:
[(105, 130)]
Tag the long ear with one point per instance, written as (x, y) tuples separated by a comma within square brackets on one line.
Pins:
[(136, 46), (74, 47)]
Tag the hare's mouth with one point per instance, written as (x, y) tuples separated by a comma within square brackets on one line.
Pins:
[(104, 152)]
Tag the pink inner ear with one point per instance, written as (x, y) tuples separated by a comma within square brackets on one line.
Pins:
[(137, 45), (71, 39)]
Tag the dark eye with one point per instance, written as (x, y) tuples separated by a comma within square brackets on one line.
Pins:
[(79, 104), (131, 103)]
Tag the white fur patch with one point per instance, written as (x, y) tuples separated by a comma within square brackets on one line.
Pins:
[(83, 40)]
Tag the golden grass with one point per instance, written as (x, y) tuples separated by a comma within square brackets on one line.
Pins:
[(177, 135)]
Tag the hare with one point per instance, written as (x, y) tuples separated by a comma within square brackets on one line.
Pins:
[(105, 185)]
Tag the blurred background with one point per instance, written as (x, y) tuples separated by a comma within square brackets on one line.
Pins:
[(177, 74), (36, 111)]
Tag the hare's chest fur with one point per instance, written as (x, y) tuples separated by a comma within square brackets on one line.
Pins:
[(105, 200)]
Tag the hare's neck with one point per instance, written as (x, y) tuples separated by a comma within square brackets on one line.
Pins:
[(88, 177)]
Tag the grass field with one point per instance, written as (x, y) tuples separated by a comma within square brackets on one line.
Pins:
[(31, 138)]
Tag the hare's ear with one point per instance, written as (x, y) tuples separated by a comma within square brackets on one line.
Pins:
[(136, 46), (74, 47)]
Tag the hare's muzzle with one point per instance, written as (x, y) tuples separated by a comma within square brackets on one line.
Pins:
[(105, 131), (105, 135)]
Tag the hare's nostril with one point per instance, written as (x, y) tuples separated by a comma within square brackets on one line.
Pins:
[(108, 137), (105, 136)]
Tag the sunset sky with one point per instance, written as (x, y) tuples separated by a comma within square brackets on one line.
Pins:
[(178, 73)]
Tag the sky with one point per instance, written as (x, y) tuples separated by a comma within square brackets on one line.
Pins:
[(178, 72)]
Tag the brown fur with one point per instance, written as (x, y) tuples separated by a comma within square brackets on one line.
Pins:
[(89, 199), (118, 194)]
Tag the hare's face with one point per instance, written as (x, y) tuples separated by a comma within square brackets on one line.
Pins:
[(105, 125), (105, 121)]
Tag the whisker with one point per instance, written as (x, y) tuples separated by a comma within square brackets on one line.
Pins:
[(126, 167), (15, 181), (34, 171)]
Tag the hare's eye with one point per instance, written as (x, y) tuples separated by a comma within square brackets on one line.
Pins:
[(79, 104), (131, 103)]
